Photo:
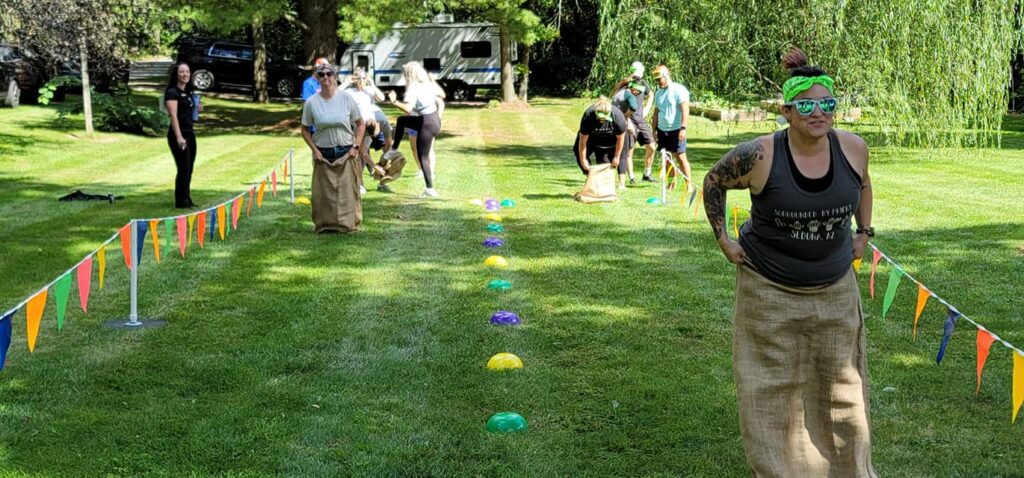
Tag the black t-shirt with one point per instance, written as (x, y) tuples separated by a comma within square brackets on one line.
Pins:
[(602, 133), (185, 106), (638, 116)]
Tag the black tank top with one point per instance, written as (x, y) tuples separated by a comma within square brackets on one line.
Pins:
[(798, 237)]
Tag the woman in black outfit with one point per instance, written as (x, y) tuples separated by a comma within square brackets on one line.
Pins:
[(180, 136)]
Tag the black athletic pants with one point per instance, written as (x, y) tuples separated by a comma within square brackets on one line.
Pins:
[(185, 160), (601, 155), (427, 128)]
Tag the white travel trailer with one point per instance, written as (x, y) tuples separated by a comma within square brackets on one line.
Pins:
[(461, 56)]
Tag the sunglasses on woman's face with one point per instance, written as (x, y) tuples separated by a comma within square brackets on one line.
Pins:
[(324, 74), (806, 107)]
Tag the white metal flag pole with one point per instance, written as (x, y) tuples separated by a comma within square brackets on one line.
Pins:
[(136, 258)]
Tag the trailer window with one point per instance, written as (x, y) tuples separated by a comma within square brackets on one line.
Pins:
[(432, 64), (476, 49)]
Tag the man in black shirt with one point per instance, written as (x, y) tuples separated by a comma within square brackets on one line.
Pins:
[(602, 133)]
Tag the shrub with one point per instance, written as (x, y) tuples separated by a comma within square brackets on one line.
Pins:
[(112, 111)]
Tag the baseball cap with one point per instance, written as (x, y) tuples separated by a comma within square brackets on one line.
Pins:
[(321, 61), (603, 116), (637, 86), (637, 69)]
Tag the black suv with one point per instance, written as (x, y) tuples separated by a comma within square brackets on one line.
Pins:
[(217, 63), (21, 75)]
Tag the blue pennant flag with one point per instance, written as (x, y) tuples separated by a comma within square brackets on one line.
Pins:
[(212, 214), (693, 195), (142, 227), (947, 332), (5, 338)]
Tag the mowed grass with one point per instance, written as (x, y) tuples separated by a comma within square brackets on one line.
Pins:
[(293, 354)]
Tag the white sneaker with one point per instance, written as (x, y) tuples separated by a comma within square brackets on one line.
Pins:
[(429, 193), (391, 154), (362, 191), (419, 174)]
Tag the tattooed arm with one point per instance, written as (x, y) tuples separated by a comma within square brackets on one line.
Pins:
[(738, 169)]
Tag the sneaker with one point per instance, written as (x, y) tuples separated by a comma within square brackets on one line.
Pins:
[(429, 193), (647, 178), (362, 191), (384, 188), (632, 181)]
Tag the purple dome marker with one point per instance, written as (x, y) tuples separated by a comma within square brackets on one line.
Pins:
[(492, 207), (493, 242), (504, 317)]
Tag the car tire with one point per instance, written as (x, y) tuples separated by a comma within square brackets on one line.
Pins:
[(13, 94), (203, 80), (286, 87), (461, 92)]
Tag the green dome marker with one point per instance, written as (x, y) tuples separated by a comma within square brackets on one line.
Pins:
[(506, 422), (499, 284)]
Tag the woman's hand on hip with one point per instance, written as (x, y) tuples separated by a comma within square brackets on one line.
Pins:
[(860, 243), (734, 251)]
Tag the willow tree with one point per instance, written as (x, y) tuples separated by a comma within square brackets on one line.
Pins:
[(933, 72)]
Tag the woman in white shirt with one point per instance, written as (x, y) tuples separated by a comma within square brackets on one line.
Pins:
[(420, 106)]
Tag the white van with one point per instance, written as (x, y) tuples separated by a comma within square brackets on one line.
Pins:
[(461, 56)]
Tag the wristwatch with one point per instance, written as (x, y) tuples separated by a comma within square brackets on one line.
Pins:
[(869, 231)]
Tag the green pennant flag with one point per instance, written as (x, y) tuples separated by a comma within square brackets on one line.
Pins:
[(61, 290), (726, 230), (167, 236), (890, 290)]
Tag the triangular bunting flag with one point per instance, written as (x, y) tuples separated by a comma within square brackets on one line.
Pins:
[(1018, 383), (856, 264), (5, 337), (259, 195), (191, 227), (155, 226), (101, 259), (947, 332), (985, 340), (181, 234), (212, 215), (736, 221), (693, 196), (33, 314), (61, 292), (167, 235), (248, 209), (200, 227), (221, 220), (140, 239), (923, 295), (284, 170), (273, 182), (700, 200), (84, 276), (126, 244), (236, 208), (890, 290), (876, 255)]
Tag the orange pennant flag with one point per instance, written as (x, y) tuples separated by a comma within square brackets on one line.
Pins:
[(153, 226), (101, 258), (273, 182), (201, 225), (181, 234), (284, 169), (221, 220), (33, 313), (248, 209), (84, 276), (1018, 383), (126, 244), (236, 208), (985, 340), (259, 196), (191, 225), (923, 295)]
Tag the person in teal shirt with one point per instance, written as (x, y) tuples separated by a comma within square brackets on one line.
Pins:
[(670, 118)]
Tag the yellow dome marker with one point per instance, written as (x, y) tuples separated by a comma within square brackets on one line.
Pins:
[(504, 361), (496, 261), (492, 217)]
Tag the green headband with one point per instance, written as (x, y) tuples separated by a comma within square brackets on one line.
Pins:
[(799, 84), (604, 116), (637, 86)]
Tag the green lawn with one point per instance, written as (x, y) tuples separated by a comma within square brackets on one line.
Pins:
[(293, 354)]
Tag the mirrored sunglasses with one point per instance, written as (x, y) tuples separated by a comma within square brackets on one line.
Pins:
[(806, 107)]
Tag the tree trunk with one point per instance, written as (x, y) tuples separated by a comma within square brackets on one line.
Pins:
[(508, 91), (321, 39), (259, 65), (83, 56), (524, 82)]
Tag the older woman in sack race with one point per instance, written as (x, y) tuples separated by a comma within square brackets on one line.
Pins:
[(337, 206)]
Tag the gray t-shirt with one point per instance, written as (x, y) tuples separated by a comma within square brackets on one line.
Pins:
[(422, 97), (335, 119)]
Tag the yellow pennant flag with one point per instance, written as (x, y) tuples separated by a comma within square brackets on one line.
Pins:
[(101, 258), (284, 169), (1018, 383), (735, 221), (259, 195), (33, 313), (922, 299), (153, 225), (856, 264), (221, 220), (191, 225)]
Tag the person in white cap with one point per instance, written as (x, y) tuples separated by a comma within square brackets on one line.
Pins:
[(644, 134)]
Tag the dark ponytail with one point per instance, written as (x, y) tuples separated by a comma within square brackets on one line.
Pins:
[(795, 60)]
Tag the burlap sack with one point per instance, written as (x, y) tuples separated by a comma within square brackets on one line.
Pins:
[(393, 167), (335, 199), (600, 185)]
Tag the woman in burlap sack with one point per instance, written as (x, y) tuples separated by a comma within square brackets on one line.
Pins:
[(337, 206), (798, 332)]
